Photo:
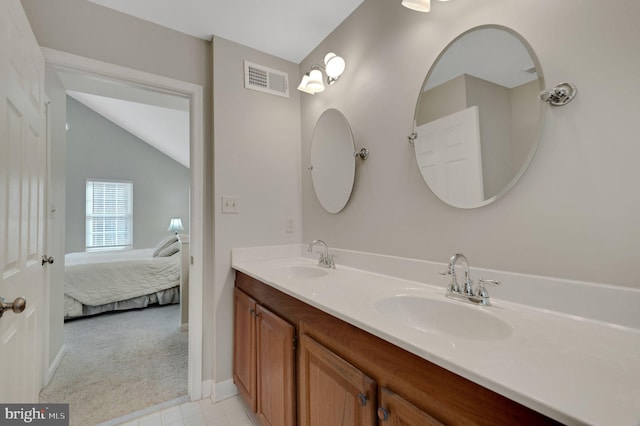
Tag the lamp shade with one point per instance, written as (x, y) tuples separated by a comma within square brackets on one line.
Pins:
[(315, 83), (418, 5), (303, 85), (175, 225)]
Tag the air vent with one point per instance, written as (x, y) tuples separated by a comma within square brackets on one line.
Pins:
[(267, 80)]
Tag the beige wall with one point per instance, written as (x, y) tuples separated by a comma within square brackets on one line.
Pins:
[(574, 212), (442, 100), (494, 108), (93, 31), (524, 117), (257, 158)]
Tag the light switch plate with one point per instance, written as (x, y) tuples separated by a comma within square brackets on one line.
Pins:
[(230, 204), (291, 224)]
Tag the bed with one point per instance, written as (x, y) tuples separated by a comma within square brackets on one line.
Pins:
[(97, 282)]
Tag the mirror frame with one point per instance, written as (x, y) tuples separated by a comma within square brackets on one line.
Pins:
[(333, 206), (541, 110)]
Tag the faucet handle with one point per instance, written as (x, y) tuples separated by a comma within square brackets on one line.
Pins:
[(482, 291), (453, 285)]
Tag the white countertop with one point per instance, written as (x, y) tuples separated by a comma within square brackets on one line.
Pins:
[(575, 370)]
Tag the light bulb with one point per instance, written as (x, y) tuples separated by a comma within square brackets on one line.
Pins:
[(334, 65)]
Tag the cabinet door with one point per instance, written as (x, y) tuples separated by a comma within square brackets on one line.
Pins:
[(275, 358), (332, 391), (244, 348), (396, 411)]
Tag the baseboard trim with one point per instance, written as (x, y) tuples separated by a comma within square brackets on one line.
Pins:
[(207, 387), (224, 390), (55, 364), (149, 410)]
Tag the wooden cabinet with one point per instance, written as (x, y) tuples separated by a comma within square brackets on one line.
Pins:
[(394, 410), (275, 369), (339, 365), (264, 364), (332, 391), (244, 347)]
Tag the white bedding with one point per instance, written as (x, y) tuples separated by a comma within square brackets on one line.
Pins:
[(98, 278)]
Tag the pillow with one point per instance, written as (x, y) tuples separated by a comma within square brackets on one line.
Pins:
[(164, 244), (169, 251)]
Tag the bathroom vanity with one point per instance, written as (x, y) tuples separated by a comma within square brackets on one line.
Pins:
[(314, 345), (293, 361)]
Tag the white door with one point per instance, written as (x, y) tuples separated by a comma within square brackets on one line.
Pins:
[(450, 158), (22, 175)]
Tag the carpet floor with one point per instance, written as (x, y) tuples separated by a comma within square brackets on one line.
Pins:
[(115, 364)]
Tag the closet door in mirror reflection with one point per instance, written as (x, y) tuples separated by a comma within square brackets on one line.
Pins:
[(493, 69), (333, 165), (450, 158)]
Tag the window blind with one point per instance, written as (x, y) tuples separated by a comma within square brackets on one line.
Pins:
[(109, 215)]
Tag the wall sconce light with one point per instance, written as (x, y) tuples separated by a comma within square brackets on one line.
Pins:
[(175, 225), (418, 5), (312, 82)]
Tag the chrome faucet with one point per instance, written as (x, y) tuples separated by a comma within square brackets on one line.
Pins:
[(479, 296), (454, 286), (326, 260)]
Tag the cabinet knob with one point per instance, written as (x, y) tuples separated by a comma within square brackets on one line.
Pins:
[(383, 414), (363, 399)]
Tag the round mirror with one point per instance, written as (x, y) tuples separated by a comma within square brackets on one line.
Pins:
[(478, 119), (333, 165)]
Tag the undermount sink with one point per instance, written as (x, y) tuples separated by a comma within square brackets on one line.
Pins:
[(443, 317), (301, 271)]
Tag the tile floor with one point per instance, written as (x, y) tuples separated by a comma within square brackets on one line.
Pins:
[(230, 412)]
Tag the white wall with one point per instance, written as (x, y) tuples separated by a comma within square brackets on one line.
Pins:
[(99, 149), (574, 214), (257, 158)]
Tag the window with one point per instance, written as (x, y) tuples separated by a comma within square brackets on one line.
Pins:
[(109, 215)]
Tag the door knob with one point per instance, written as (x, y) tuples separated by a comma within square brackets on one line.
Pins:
[(17, 306), (47, 259)]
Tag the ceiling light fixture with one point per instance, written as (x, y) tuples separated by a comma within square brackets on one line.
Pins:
[(312, 82), (418, 5)]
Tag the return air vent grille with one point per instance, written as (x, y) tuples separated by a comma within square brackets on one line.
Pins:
[(264, 79)]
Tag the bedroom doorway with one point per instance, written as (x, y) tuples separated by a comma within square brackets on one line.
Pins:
[(124, 77)]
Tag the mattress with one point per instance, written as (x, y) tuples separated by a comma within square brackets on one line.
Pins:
[(100, 278)]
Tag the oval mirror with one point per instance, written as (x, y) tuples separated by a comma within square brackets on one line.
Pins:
[(478, 118), (333, 165)]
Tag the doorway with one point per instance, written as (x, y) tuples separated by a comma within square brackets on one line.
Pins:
[(62, 61)]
